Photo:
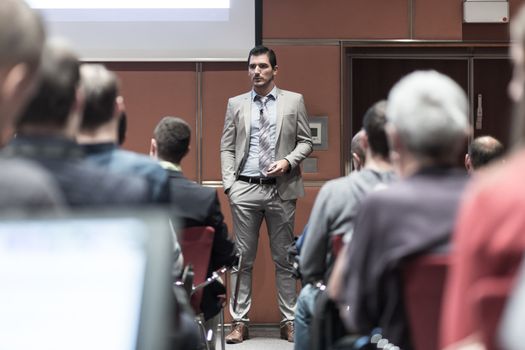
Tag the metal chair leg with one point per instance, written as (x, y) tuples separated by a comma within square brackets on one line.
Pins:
[(203, 332), (223, 336)]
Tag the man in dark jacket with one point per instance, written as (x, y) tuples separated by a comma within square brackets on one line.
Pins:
[(194, 205)]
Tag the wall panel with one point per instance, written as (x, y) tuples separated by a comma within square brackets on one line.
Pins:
[(438, 20), (314, 72), (220, 81), (347, 19)]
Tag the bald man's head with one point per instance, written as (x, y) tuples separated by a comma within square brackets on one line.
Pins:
[(482, 151)]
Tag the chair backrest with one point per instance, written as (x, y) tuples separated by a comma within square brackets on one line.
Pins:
[(337, 244), (196, 244), (424, 279)]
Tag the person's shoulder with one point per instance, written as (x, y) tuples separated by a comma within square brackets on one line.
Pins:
[(336, 184), (21, 166), (178, 180), (289, 94), (185, 189), (393, 193), (242, 97), (112, 187), (27, 184), (138, 160)]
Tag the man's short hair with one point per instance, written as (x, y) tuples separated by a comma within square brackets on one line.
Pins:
[(59, 78), (429, 112), (482, 150), (356, 147), (172, 135), (22, 35), (100, 87), (263, 50), (374, 123)]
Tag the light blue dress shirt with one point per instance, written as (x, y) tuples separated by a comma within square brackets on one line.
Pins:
[(251, 168)]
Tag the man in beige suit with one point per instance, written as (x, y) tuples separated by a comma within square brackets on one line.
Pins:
[(265, 138)]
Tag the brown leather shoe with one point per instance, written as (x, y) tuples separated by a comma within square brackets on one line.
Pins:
[(287, 331), (238, 333)]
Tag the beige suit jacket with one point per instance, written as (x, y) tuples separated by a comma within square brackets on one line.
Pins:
[(293, 140)]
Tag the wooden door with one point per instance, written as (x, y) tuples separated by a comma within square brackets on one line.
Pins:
[(372, 78), (491, 77)]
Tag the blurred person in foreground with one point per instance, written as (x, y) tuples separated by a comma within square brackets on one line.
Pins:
[(24, 185), (489, 240)]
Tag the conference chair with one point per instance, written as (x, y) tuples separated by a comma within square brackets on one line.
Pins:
[(196, 245), (424, 280), (337, 244)]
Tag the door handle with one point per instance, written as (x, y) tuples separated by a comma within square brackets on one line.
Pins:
[(479, 113)]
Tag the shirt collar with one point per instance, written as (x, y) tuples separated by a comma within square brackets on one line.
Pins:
[(170, 166), (272, 94)]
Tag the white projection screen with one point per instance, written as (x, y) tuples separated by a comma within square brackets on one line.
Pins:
[(153, 30)]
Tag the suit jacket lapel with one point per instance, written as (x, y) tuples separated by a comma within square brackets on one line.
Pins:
[(279, 116)]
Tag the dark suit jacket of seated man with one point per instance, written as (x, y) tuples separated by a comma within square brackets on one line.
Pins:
[(193, 204)]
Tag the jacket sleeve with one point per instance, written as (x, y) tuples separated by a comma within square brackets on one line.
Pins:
[(303, 138), (228, 141)]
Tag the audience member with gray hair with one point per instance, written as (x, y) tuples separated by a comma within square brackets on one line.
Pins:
[(23, 185), (482, 151), (428, 123), (427, 113)]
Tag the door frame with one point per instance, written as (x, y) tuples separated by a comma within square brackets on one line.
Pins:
[(401, 49)]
